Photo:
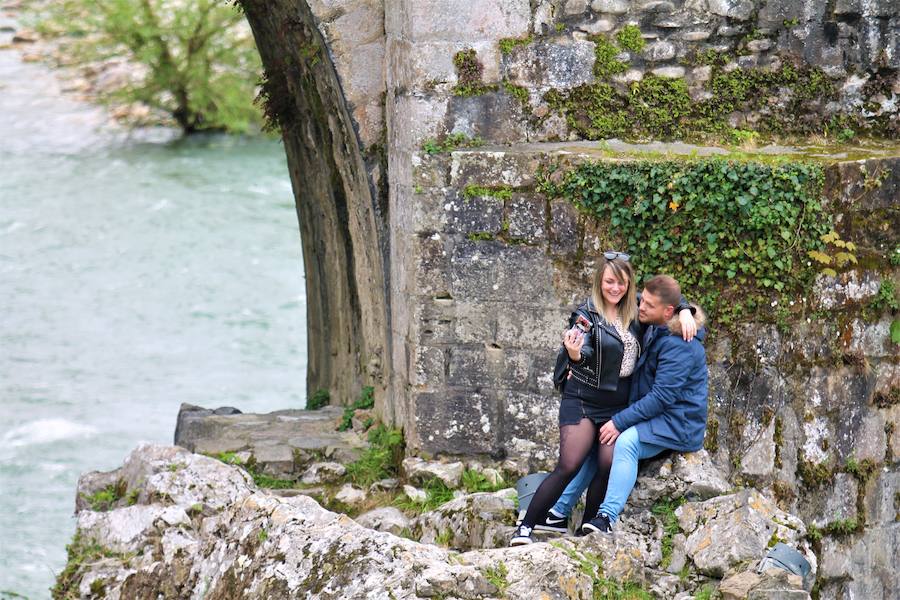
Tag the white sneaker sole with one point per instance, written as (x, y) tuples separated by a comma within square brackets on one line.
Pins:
[(520, 541)]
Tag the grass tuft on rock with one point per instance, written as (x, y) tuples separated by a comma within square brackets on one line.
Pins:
[(381, 459), (104, 499), (81, 553), (665, 510)]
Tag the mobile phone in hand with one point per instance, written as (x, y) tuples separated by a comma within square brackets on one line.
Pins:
[(582, 324)]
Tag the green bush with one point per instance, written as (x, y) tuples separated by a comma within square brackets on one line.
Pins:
[(201, 62)]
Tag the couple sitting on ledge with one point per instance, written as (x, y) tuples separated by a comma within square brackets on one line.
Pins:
[(634, 383)]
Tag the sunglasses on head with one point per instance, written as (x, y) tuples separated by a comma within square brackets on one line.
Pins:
[(611, 255)]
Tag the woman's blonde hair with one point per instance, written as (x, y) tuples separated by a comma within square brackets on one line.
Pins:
[(621, 270)]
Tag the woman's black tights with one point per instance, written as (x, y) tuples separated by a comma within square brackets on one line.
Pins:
[(575, 442), (597, 489)]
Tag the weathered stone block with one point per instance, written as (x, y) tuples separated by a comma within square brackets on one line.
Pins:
[(428, 66), (430, 170), (873, 340), (491, 368), (497, 272), (759, 460), (564, 238), (387, 518), (741, 525), (838, 504), (428, 367), (531, 327), (476, 323), (556, 63), (613, 7), (530, 425), (436, 320), (421, 471), (576, 7), (423, 118), (432, 260), (456, 422), (494, 116), (845, 288), (669, 72), (656, 7), (659, 51), (597, 26), (462, 20), (481, 520), (848, 7), (739, 10), (882, 506), (492, 168), (526, 216), (477, 214)]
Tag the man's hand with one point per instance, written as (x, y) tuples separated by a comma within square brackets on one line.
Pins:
[(688, 325), (608, 433), (573, 341)]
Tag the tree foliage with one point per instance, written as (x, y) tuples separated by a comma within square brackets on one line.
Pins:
[(195, 59)]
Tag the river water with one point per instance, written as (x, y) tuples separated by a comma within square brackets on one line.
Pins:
[(138, 272)]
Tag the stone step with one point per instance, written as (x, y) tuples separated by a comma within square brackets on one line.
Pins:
[(282, 442)]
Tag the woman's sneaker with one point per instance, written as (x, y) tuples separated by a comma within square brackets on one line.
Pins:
[(600, 524), (522, 536), (550, 522)]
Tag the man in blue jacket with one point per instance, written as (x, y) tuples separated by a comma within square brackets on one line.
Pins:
[(667, 404)]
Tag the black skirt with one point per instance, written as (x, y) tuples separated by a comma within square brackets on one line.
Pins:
[(581, 401)]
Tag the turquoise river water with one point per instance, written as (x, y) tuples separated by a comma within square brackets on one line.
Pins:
[(138, 272)]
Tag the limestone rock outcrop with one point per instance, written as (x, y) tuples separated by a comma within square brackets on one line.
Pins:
[(183, 525)]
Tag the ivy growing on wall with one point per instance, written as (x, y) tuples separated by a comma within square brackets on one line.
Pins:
[(734, 233)]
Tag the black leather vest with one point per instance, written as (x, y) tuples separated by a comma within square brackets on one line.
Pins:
[(601, 355)]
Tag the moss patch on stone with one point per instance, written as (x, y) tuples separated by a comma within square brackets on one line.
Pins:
[(518, 92), (469, 73), (450, 142), (787, 99), (507, 45), (629, 38), (812, 474)]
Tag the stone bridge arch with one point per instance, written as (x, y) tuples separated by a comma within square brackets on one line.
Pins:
[(332, 128)]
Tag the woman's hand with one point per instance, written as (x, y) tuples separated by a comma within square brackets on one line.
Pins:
[(573, 341), (688, 325)]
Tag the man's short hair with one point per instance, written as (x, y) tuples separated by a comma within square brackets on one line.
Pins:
[(666, 288)]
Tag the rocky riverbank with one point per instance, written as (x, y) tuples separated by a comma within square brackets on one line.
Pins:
[(88, 82), (176, 524)]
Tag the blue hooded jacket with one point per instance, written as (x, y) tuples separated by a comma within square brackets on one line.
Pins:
[(668, 392)]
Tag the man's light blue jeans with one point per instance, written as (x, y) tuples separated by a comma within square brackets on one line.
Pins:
[(622, 475)]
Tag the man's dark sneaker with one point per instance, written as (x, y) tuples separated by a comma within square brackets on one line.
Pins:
[(600, 524), (522, 536), (550, 523)]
